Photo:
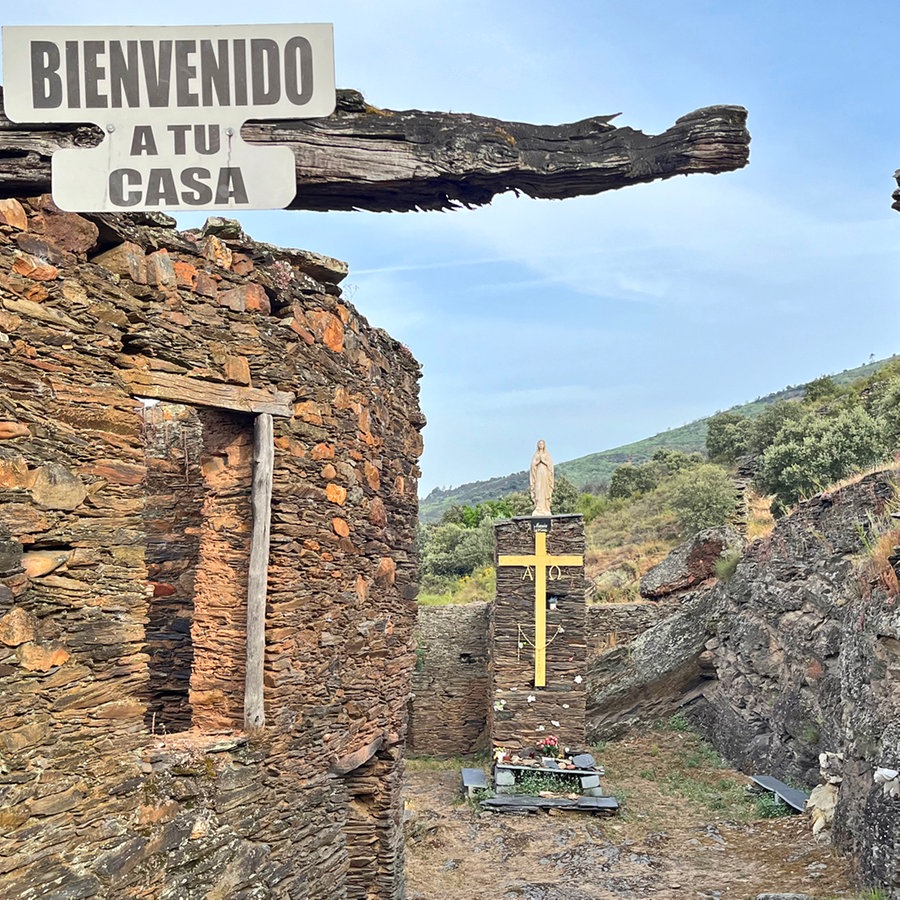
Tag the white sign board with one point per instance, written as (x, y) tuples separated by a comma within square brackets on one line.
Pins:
[(171, 102)]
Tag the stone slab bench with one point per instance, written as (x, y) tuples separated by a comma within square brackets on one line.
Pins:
[(526, 803), (793, 797), (473, 780)]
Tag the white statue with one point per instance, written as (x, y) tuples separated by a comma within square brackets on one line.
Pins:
[(541, 480)]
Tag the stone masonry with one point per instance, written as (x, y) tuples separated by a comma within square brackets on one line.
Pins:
[(520, 713), (448, 711), (123, 567)]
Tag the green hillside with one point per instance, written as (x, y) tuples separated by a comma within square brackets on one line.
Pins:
[(597, 467)]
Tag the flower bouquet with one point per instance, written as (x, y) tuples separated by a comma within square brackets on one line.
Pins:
[(549, 746)]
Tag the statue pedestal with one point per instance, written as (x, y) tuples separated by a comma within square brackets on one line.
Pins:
[(537, 633)]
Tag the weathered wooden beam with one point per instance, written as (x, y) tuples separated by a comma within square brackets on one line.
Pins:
[(193, 391), (361, 157), (258, 580)]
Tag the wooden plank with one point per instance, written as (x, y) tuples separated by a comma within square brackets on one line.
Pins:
[(196, 392), (257, 583), (361, 157), (792, 796)]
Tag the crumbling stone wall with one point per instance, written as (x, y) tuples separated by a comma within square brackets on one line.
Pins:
[(91, 800), (807, 653), (451, 684)]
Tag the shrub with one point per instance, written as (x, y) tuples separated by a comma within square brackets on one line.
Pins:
[(703, 498), (629, 480), (728, 436), (727, 565)]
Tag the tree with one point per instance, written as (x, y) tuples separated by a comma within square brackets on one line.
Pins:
[(771, 420), (671, 462), (565, 496), (728, 436), (814, 451), (822, 388), (703, 497), (628, 480), (887, 408)]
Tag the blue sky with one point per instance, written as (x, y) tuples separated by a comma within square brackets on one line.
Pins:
[(601, 320)]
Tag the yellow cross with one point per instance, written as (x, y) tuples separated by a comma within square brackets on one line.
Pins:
[(541, 560)]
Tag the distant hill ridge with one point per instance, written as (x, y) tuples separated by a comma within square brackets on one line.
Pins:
[(597, 467)]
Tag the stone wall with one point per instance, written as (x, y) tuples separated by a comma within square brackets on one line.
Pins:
[(807, 653), (521, 713), (93, 803), (448, 711)]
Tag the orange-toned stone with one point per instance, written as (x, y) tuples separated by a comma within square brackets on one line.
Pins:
[(309, 411), (176, 318), (237, 369), (185, 275), (14, 472), (17, 627), (335, 493), (127, 261), (343, 312), (12, 213), (41, 657), (217, 252), (341, 528), (42, 562), (241, 264), (362, 588), (161, 269), (373, 476), (386, 573), (328, 329), (304, 333), (116, 472), (322, 451), (329, 473), (400, 485), (246, 297), (32, 267)]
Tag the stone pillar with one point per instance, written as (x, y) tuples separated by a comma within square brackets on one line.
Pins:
[(520, 713)]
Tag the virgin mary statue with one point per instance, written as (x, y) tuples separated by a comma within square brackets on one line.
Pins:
[(541, 480)]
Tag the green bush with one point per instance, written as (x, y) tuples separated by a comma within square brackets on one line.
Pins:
[(704, 497), (629, 480), (728, 436)]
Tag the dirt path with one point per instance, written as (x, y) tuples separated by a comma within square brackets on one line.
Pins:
[(687, 829)]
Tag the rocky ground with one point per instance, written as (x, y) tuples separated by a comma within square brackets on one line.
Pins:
[(688, 828)]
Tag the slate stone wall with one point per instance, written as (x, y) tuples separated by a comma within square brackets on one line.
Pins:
[(93, 804), (519, 713), (807, 653), (448, 711), (612, 625)]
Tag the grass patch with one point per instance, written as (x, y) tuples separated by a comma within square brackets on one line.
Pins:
[(727, 565), (481, 585), (768, 806)]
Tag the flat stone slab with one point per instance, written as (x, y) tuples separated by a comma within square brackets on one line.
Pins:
[(473, 780), (793, 797), (519, 802)]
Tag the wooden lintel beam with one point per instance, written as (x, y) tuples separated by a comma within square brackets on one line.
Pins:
[(382, 160), (195, 392)]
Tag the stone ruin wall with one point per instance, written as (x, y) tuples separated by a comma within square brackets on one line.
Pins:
[(806, 649), (92, 803), (451, 683)]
